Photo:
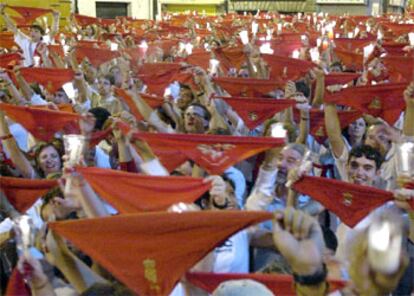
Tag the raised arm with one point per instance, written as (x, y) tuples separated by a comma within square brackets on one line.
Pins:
[(17, 157), (333, 129), (9, 23)]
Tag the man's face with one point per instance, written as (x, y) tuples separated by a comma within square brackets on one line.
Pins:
[(104, 87), (60, 97), (378, 138), (361, 171), (287, 160), (194, 120), (35, 35), (185, 98)]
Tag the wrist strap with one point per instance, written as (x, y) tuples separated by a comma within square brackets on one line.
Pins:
[(313, 279)]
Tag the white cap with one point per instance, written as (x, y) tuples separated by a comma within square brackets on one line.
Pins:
[(242, 288)]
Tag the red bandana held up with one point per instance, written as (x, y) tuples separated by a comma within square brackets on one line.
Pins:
[(279, 284), (381, 100), (213, 153), (51, 78), (340, 78), (16, 285), (23, 193), (157, 76), (350, 202), (42, 123), (351, 45), (30, 14), (317, 121), (146, 267), (9, 60), (254, 111), (200, 59), (152, 101), (351, 60), (287, 68), (7, 40), (96, 56), (248, 87), (84, 20), (230, 57), (138, 193), (399, 66)]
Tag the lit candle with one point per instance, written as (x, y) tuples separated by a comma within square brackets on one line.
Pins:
[(244, 36)]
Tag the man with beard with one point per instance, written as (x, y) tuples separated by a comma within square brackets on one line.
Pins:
[(270, 193)]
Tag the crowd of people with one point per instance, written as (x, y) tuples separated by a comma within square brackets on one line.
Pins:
[(236, 154)]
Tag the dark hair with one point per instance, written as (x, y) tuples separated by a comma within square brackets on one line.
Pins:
[(207, 114), (302, 87), (101, 115), (331, 242), (39, 28), (114, 289), (109, 77), (368, 152), (56, 143)]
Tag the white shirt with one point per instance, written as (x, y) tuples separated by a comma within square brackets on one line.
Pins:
[(28, 47)]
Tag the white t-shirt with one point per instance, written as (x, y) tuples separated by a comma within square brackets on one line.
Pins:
[(233, 255), (28, 47)]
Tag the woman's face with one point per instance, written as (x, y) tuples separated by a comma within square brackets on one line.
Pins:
[(49, 160), (357, 128)]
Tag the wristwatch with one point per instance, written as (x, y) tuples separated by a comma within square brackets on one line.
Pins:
[(313, 279)]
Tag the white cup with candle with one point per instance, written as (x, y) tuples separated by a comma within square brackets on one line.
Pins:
[(405, 157)]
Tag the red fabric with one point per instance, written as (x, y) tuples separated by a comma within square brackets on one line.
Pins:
[(279, 284), (340, 78), (16, 285), (91, 44), (128, 166), (170, 157), (9, 60), (84, 20), (51, 78), (230, 57), (150, 252), (351, 60), (351, 45), (400, 66), (200, 59), (107, 22), (7, 40), (57, 49), (381, 100), (98, 136), (350, 202), (282, 48), (95, 56), (23, 193), (138, 193), (248, 87), (394, 48), (254, 111), (30, 13), (42, 123), (317, 121), (399, 29), (153, 101), (287, 68), (157, 76), (213, 153)]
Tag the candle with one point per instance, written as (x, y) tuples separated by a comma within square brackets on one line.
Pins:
[(244, 36), (214, 65)]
